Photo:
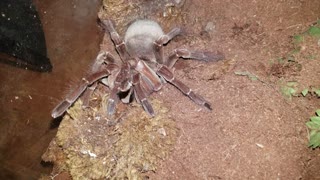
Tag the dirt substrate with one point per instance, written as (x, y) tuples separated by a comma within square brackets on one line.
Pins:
[(254, 131)]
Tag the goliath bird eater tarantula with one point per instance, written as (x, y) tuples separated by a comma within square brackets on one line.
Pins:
[(141, 70)]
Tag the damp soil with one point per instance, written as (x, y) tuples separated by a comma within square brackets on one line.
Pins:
[(253, 131)]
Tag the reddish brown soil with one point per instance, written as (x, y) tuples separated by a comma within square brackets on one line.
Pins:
[(253, 131)]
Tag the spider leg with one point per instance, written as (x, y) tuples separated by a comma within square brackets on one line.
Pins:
[(102, 57), (74, 95), (122, 83), (166, 73), (113, 100), (149, 75), (140, 95), (118, 41), (87, 94), (164, 39), (188, 54), (146, 85)]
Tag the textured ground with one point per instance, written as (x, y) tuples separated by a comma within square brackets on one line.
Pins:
[(253, 131)]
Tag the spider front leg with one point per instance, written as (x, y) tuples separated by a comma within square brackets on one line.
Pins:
[(121, 83), (118, 41), (87, 94), (188, 54), (166, 73), (140, 95), (149, 76), (164, 39), (113, 100), (74, 95), (102, 58)]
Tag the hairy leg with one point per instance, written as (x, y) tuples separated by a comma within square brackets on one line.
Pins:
[(74, 95), (164, 39), (141, 96), (188, 54), (113, 100), (118, 41), (149, 75), (122, 83), (166, 73), (102, 58)]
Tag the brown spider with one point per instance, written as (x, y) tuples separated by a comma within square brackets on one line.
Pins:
[(142, 70)]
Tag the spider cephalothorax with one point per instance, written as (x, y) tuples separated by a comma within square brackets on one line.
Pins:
[(141, 70)]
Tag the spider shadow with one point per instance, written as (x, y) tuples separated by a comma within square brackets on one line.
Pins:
[(55, 122)]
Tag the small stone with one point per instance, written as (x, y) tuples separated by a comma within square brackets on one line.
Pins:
[(260, 145), (162, 131), (210, 27)]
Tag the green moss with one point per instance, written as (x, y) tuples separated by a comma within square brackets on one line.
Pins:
[(94, 149), (298, 38)]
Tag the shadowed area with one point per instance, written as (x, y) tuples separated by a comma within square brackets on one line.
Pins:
[(27, 97)]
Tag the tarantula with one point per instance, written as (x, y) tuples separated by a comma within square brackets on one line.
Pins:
[(141, 70)]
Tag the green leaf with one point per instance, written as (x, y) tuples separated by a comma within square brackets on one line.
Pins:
[(304, 92), (313, 125), (314, 140), (314, 31), (292, 91), (288, 91), (312, 133), (309, 124), (315, 119)]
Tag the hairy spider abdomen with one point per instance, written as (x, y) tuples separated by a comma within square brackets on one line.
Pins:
[(140, 37)]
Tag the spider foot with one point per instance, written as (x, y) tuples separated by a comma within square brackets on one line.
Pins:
[(111, 107), (107, 25), (207, 105), (147, 107), (60, 109), (206, 56)]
